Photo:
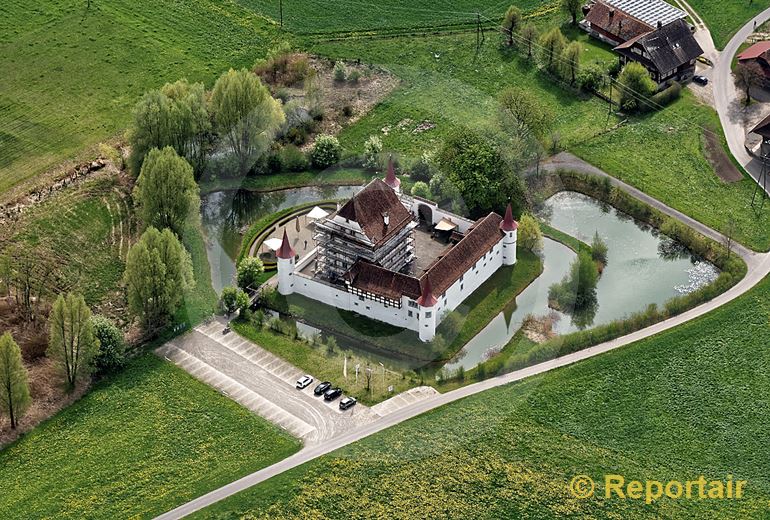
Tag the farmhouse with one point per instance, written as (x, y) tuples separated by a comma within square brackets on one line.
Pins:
[(651, 32), (398, 259), (668, 53)]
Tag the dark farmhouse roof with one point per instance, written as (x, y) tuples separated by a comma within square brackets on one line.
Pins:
[(618, 24), (763, 127), (369, 207), (441, 274), (665, 48)]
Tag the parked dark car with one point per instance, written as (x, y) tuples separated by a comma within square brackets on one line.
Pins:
[(700, 80), (304, 382), (322, 387), (347, 402), (332, 393)]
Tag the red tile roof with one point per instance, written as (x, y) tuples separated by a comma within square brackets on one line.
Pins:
[(755, 51), (615, 22), (390, 178), (285, 251), (369, 207), (508, 224), (440, 275), (426, 298)]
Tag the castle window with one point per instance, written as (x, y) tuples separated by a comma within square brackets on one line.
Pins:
[(428, 314)]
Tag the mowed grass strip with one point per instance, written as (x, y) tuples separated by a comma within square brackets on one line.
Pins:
[(688, 402), (725, 18), (149, 439)]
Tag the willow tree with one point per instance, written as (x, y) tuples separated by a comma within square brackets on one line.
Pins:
[(14, 387), (246, 116), (512, 23), (72, 343), (158, 273), (166, 194), (552, 44)]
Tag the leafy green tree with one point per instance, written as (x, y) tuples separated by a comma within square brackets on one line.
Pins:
[(249, 271), (552, 45), (479, 172), (158, 273), (571, 61), (245, 115), (175, 115), (599, 249), (111, 356), (72, 343), (637, 86), (529, 38), (233, 299), (326, 151), (166, 194), (572, 8), (340, 72), (421, 189), (14, 387), (512, 23), (372, 152), (525, 113), (529, 235), (189, 121), (747, 76)]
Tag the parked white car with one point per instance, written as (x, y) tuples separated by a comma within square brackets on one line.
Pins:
[(304, 382)]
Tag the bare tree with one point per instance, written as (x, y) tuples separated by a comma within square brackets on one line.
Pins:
[(747, 76), (729, 233)]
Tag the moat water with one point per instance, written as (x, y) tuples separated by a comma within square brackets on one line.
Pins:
[(643, 267)]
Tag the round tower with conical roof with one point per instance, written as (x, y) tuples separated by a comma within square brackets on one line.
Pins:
[(510, 229), (286, 264), (427, 307)]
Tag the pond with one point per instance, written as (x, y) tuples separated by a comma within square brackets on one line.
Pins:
[(226, 215), (643, 267)]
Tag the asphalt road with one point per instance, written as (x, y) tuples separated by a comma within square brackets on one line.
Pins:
[(758, 267), (728, 102)]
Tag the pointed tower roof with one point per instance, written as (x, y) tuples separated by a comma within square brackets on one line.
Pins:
[(390, 178), (285, 251), (508, 224), (426, 298)]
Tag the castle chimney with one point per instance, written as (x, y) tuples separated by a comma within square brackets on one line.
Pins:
[(660, 24), (386, 219)]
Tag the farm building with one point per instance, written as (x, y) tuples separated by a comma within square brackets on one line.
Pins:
[(398, 259), (668, 53), (758, 53), (651, 32), (618, 21)]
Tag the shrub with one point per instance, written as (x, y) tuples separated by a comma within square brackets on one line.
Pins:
[(339, 73), (273, 161), (233, 299), (421, 169), (667, 95), (591, 77), (529, 235), (283, 94), (372, 152), (326, 151), (111, 356), (249, 271), (347, 110), (354, 76), (298, 70), (421, 189), (293, 159)]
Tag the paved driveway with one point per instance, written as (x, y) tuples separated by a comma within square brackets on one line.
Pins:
[(262, 382)]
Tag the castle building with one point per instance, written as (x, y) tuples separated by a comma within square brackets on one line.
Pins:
[(396, 258)]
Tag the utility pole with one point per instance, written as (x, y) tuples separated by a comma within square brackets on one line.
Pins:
[(609, 105)]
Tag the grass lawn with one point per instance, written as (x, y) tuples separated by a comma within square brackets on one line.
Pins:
[(72, 75), (201, 301), (669, 164), (137, 445), (85, 233), (688, 402), (725, 18), (403, 345), (315, 16)]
